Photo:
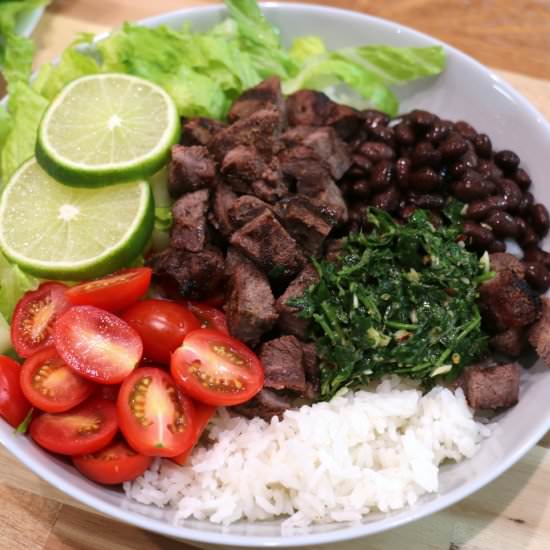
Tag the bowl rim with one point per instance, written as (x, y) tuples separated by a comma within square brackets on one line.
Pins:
[(354, 531)]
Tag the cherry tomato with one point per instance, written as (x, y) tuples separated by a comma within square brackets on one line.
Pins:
[(156, 418), (14, 406), (216, 369), (50, 385), (209, 316), (114, 292), (162, 326), (97, 344), (84, 429), (34, 317), (203, 414), (114, 464)]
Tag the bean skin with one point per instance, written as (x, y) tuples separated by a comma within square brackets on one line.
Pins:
[(453, 147), (386, 200), (483, 146), (511, 193), (439, 131), (478, 236), (489, 169), (360, 189), (425, 155), (422, 119), (424, 180), (382, 175), (522, 178), (402, 170), (503, 224), (404, 133), (496, 246), (507, 160), (535, 254), (527, 200), (528, 238), (376, 151), (540, 219), (537, 275), (522, 227), (479, 210), (374, 118), (465, 130), (472, 187), (383, 134), (427, 200)]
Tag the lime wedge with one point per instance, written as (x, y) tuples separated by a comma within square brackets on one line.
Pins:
[(61, 232), (107, 128)]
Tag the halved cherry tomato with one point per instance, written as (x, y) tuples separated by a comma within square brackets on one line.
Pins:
[(84, 429), (209, 316), (114, 464), (97, 344), (34, 318), (156, 418), (114, 292), (50, 385), (162, 326), (203, 414), (216, 369), (14, 406)]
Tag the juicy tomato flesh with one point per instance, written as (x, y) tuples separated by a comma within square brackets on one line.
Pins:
[(156, 418), (203, 414), (34, 318), (209, 316), (85, 429), (216, 369), (114, 292), (162, 325), (114, 464), (14, 406), (50, 385), (97, 344)]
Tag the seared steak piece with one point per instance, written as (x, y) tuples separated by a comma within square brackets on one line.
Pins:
[(272, 187), (331, 204), (245, 209), (190, 169), (188, 231), (508, 301), (492, 387), (503, 261), (266, 242), (232, 259), (325, 143), (282, 361), (289, 321), (302, 165), (242, 166), (199, 131), (311, 368), (250, 306), (198, 274), (310, 108), (511, 342), (224, 198), (260, 129), (304, 223), (539, 333), (266, 404), (266, 95)]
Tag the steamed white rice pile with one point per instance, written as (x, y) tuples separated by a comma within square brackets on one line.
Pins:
[(332, 461)]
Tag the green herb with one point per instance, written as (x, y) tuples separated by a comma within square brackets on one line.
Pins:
[(402, 299), (24, 426)]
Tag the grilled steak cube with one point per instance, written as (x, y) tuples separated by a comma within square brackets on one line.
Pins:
[(265, 404), (267, 243), (224, 198), (326, 145), (191, 168), (539, 333), (302, 165), (282, 361), (492, 387), (289, 321), (266, 95), (511, 342), (271, 187), (198, 274), (188, 230), (242, 166), (199, 131), (250, 305), (503, 261), (331, 204), (245, 209)]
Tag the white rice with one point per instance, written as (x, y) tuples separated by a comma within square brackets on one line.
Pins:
[(332, 461)]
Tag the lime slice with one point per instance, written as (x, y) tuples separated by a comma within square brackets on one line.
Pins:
[(61, 232), (107, 128)]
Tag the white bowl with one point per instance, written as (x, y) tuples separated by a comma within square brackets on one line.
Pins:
[(467, 91)]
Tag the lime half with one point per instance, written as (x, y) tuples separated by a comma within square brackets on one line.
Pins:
[(61, 232), (107, 128)]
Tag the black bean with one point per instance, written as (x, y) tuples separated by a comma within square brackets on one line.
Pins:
[(479, 210), (425, 155), (427, 200), (483, 146), (488, 169), (407, 211), (522, 178), (424, 180), (497, 246), (387, 200), (453, 148), (357, 212), (376, 151), (528, 238), (540, 219), (382, 175), (422, 119), (458, 168), (439, 131), (360, 189), (535, 254), (507, 160), (404, 133), (522, 227), (527, 200), (402, 169), (511, 192), (374, 118), (537, 275), (465, 130), (469, 158), (503, 224), (478, 236), (384, 134), (471, 188)]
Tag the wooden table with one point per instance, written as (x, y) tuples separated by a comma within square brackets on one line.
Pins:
[(511, 513)]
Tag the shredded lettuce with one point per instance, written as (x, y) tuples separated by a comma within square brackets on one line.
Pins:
[(13, 284)]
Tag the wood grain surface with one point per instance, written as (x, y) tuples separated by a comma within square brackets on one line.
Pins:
[(511, 513)]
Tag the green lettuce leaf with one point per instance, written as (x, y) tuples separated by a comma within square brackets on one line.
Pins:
[(13, 284), (306, 47)]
